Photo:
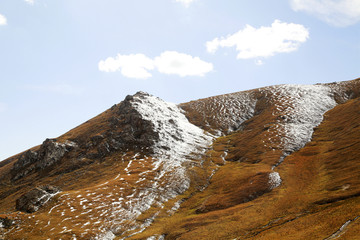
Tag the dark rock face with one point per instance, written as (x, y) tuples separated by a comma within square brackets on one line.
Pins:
[(136, 129), (35, 198), (49, 153), (128, 130), (6, 223), (27, 158)]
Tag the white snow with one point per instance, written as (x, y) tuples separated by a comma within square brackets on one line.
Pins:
[(302, 108), (176, 133), (179, 142), (274, 180), (109, 235), (228, 111), (156, 237)]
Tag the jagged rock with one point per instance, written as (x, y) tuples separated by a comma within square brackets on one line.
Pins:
[(49, 153), (25, 159), (35, 198), (137, 130), (52, 151), (129, 129), (103, 149), (97, 139), (6, 222)]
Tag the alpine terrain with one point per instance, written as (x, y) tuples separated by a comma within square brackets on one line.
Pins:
[(279, 162)]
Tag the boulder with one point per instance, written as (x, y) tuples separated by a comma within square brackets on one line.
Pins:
[(35, 198), (6, 222), (49, 153)]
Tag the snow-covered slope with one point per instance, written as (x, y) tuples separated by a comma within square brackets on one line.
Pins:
[(179, 144), (298, 110)]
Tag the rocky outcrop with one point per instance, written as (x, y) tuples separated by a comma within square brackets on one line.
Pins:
[(25, 159), (5, 223), (135, 129), (49, 153), (128, 130), (35, 198)]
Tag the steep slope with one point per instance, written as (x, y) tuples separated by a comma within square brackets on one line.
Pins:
[(260, 172)]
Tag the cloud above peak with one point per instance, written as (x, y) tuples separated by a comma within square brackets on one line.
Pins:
[(131, 66), (339, 13), (3, 20), (262, 42), (169, 62), (172, 62)]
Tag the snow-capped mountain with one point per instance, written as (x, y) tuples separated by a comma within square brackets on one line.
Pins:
[(278, 162)]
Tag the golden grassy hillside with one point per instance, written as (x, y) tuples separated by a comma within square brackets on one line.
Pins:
[(320, 190), (230, 195)]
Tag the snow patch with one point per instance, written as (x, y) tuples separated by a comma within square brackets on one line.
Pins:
[(301, 109), (274, 180), (109, 235)]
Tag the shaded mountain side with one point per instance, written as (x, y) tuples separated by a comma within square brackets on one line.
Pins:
[(126, 172), (319, 197)]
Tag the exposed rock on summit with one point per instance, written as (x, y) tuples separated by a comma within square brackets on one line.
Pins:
[(135, 129)]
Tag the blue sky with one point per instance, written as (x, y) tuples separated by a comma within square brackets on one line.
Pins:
[(65, 61)]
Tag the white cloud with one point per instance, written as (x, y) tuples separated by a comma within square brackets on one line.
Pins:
[(3, 20), (169, 62), (132, 66), (31, 2), (185, 2), (336, 12), (263, 42)]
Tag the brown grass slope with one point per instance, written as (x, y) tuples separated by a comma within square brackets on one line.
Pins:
[(319, 193)]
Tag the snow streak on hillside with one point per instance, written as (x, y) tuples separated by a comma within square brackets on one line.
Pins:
[(224, 114), (297, 110), (180, 142), (300, 109), (178, 137)]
